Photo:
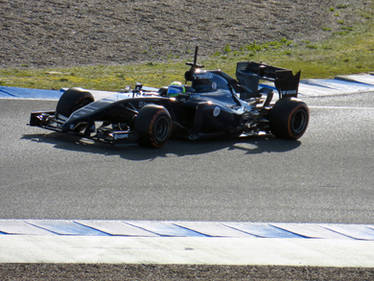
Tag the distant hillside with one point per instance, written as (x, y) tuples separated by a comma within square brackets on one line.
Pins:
[(67, 32)]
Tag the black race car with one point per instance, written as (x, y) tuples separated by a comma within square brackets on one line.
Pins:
[(214, 104)]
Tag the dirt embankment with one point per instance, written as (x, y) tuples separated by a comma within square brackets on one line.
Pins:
[(69, 32)]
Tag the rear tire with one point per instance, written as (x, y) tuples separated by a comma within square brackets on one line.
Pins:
[(153, 125), (289, 118), (72, 100)]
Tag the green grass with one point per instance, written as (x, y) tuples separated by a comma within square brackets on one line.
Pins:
[(346, 51)]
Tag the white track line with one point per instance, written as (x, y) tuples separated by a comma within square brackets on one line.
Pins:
[(340, 107)]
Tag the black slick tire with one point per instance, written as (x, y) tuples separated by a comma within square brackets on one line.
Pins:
[(72, 100), (153, 125), (289, 118)]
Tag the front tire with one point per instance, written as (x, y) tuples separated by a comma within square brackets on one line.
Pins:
[(72, 100), (153, 125), (289, 119)]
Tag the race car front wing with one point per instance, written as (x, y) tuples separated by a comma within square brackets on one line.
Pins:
[(104, 133)]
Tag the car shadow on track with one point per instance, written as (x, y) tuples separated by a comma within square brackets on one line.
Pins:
[(174, 147)]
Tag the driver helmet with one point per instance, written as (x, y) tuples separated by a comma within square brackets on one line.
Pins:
[(176, 88)]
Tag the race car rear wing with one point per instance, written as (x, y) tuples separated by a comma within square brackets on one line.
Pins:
[(249, 74)]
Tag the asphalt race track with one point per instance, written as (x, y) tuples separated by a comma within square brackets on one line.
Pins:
[(325, 177)]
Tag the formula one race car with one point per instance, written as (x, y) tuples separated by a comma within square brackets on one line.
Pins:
[(214, 104)]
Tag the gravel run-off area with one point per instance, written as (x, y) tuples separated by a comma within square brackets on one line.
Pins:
[(29, 272), (48, 33)]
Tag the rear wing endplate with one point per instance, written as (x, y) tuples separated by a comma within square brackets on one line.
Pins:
[(249, 74)]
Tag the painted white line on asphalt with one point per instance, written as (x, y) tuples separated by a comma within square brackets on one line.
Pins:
[(340, 107)]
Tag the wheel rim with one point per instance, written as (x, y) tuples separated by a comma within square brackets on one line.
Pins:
[(161, 130), (299, 121)]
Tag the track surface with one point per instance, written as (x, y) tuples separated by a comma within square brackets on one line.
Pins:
[(326, 177)]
